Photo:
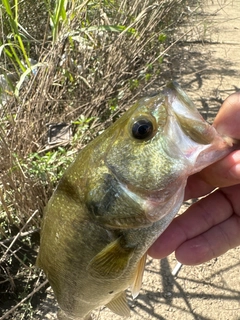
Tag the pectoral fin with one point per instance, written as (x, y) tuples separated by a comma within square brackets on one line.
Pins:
[(119, 305), (111, 262), (137, 283)]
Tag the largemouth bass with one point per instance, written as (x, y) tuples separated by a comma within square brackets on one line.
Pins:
[(119, 195)]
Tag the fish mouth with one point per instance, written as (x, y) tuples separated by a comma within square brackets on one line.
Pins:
[(192, 135), (187, 115)]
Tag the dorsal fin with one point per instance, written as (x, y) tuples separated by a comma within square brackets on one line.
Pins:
[(137, 282), (119, 305)]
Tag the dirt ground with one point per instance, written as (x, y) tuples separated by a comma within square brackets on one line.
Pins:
[(209, 71)]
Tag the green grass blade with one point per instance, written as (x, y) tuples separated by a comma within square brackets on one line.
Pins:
[(26, 58), (60, 12), (24, 76), (7, 7), (15, 55), (3, 48)]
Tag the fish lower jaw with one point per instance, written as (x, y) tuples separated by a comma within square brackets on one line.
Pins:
[(157, 210), (158, 207)]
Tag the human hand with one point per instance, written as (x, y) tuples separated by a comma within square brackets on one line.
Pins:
[(211, 226)]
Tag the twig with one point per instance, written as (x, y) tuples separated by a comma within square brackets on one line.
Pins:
[(23, 300), (15, 255), (17, 236), (22, 235)]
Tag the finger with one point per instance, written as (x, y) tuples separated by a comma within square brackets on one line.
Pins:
[(196, 187), (232, 194), (223, 173), (210, 244), (199, 218), (227, 121)]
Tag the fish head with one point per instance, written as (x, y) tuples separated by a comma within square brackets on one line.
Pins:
[(160, 141)]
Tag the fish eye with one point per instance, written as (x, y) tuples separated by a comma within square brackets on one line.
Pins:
[(142, 129)]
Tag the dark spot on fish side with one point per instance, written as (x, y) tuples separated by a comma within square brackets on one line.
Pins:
[(111, 292), (103, 197), (110, 206)]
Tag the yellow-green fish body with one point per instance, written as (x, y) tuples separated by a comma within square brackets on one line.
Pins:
[(117, 197)]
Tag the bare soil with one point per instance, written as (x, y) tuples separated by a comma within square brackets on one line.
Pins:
[(208, 68)]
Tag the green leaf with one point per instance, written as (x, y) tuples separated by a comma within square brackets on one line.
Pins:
[(162, 37)]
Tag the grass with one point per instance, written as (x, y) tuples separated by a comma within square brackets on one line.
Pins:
[(75, 62)]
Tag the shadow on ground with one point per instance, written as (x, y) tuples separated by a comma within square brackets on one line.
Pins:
[(174, 289)]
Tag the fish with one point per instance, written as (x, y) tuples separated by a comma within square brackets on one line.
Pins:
[(118, 196)]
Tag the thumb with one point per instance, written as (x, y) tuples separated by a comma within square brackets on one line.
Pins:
[(226, 172), (227, 121)]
